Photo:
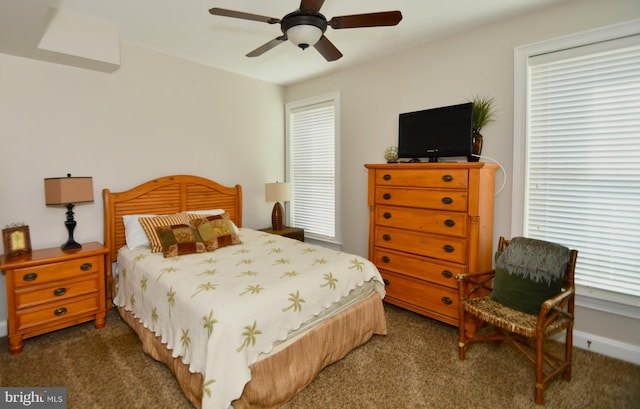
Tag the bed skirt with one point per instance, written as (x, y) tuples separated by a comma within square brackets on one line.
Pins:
[(281, 375)]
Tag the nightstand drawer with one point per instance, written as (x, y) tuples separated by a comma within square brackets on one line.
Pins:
[(29, 297), (55, 271), (57, 312)]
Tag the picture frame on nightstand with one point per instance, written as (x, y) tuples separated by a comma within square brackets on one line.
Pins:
[(16, 240)]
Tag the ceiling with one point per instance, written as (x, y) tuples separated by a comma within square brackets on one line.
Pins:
[(184, 28)]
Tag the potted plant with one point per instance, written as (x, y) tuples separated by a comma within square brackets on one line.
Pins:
[(483, 114)]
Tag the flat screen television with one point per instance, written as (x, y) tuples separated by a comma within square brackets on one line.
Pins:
[(436, 133)]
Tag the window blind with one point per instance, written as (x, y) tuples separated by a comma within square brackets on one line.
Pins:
[(312, 170), (583, 161)]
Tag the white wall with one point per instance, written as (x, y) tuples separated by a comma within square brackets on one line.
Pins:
[(448, 71), (155, 116)]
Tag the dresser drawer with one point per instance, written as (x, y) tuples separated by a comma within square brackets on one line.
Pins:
[(451, 200), (425, 295), (59, 311), (436, 178), (424, 244), (42, 294), (431, 221), (56, 271), (422, 268)]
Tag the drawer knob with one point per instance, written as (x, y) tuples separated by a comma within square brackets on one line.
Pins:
[(386, 196), (448, 248), (59, 291), (447, 178), (60, 311), (30, 276), (386, 176), (386, 282), (385, 259), (447, 274), (446, 300), (86, 267), (449, 223), (386, 215), (386, 237), (446, 200)]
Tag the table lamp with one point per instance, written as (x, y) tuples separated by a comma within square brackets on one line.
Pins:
[(68, 191), (276, 192)]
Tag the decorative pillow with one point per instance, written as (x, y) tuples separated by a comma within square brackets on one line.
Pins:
[(529, 272), (179, 239), (149, 225), (217, 228), (200, 214), (522, 294), (133, 231)]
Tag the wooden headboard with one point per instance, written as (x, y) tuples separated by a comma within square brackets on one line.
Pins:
[(165, 195)]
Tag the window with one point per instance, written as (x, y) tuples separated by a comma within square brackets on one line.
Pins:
[(312, 138), (578, 143)]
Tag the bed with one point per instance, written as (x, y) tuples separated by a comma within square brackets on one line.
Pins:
[(238, 354)]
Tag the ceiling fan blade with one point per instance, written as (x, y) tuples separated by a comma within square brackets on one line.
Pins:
[(267, 46), (383, 18), (311, 6), (327, 49), (216, 11)]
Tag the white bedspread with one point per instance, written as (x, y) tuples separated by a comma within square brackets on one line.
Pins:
[(221, 310)]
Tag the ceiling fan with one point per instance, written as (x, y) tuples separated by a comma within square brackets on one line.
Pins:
[(306, 26)]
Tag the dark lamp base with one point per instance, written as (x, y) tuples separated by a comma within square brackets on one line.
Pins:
[(276, 216), (70, 223)]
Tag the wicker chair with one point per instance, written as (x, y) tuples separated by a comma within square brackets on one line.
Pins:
[(527, 331)]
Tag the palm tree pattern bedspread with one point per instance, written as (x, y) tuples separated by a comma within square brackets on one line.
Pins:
[(220, 310)]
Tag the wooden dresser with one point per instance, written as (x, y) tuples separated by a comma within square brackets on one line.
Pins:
[(50, 289), (429, 222)]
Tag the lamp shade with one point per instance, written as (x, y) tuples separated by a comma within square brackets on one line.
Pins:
[(304, 35), (276, 192), (65, 190)]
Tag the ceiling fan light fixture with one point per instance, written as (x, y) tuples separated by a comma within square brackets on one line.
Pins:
[(304, 35)]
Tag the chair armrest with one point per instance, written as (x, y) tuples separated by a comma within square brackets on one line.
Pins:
[(553, 307), (469, 283)]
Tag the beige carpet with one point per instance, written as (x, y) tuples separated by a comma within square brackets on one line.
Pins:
[(415, 366)]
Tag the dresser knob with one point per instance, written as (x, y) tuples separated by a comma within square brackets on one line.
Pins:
[(386, 177), (449, 223), (30, 276), (386, 196), (447, 178), (59, 291), (448, 248), (446, 200), (446, 300), (86, 267), (385, 259), (386, 237), (60, 311), (447, 274), (386, 282), (386, 215)]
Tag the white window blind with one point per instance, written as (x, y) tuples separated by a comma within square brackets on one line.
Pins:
[(583, 160), (312, 167)]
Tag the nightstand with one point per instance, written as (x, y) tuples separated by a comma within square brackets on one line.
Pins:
[(50, 289), (291, 232)]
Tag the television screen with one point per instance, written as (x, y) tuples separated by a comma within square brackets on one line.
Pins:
[(436, 133)]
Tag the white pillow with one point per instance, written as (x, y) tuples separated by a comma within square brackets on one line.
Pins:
[(133, 231)]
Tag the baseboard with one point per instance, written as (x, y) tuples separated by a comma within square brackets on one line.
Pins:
[(3, 328), (607, 346)]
